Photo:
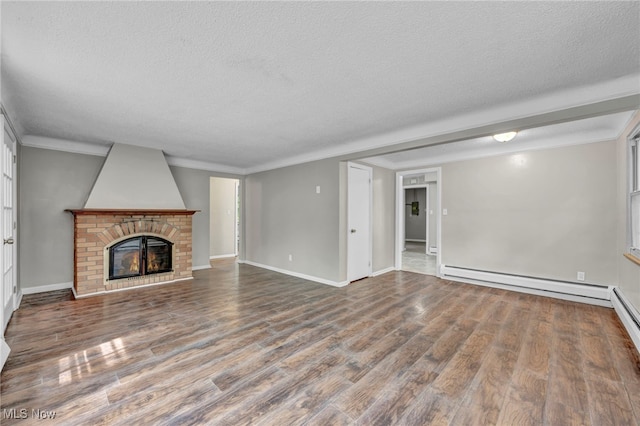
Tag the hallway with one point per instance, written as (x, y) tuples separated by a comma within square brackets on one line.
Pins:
[(414, 259)]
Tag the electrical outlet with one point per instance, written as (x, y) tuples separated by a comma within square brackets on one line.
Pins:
[(580, 276), (290, 258)]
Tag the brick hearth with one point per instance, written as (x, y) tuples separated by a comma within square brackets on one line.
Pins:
[(97, 230)]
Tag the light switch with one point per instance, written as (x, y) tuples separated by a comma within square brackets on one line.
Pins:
[(317, 189), (444, 212)]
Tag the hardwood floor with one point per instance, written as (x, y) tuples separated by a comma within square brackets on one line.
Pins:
[(240, 345)]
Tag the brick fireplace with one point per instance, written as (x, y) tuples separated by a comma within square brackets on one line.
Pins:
[(96, 231)]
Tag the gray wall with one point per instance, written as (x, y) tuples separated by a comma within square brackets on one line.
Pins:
[(628, 272), (194, 187), (415, 227), (222, 223), (52, 181), (544, 214), (383, 218), (284, 215)]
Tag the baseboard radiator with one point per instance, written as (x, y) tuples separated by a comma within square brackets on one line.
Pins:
[(628, 315), (591, 294)]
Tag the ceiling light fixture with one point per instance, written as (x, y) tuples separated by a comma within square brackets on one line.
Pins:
[(505, 137)]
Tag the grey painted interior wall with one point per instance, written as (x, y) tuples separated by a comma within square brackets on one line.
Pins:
[(52, 181), (628, 272), (383, 218), (544, 214), (222, 221), (415, 226), (343, 219), (284, 215), (194, 187)]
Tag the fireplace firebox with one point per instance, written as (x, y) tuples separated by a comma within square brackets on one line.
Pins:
[(137, 256)]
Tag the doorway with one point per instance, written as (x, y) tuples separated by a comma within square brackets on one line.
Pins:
[(224, 218), (418, 241), (418, 218)]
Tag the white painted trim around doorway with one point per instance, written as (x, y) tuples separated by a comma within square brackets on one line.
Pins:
[(400, 231), (426, 217)]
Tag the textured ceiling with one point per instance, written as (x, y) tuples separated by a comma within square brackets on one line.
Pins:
[(247, 86)]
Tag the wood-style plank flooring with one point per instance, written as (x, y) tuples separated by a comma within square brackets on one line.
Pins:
[(241, 345)]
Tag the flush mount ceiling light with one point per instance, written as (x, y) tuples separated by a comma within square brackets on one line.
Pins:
[(505, 137)]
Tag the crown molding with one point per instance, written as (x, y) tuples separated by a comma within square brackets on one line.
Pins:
[(87, 148), (66, 145), (581, 102), (621, 94), (203, 165), (486, 153)]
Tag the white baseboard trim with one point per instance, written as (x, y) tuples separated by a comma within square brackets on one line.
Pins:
[(222, 256), (629, 317), (296, 274), (19, 301), (383, 271), (197, 268), (4, 352), (100, 293), (46, 288), (590, 294)]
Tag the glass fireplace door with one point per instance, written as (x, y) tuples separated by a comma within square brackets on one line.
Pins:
[(158, 255), (138, 256), (125, 259)]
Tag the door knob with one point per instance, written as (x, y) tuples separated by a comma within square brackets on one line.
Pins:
[(8, 240), (353, 231)]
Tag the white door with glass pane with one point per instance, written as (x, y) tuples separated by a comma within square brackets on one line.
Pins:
[(7, 218)]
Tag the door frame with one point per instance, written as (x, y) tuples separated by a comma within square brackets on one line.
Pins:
[(369, 170), (400, 209), (4, 348), (236, 218), (6, 129), (426, 215)]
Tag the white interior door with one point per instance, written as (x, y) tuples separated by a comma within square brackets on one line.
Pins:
[(359, 222), (8, 227)]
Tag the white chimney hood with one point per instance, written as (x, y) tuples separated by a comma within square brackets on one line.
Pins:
[(133, 177)]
